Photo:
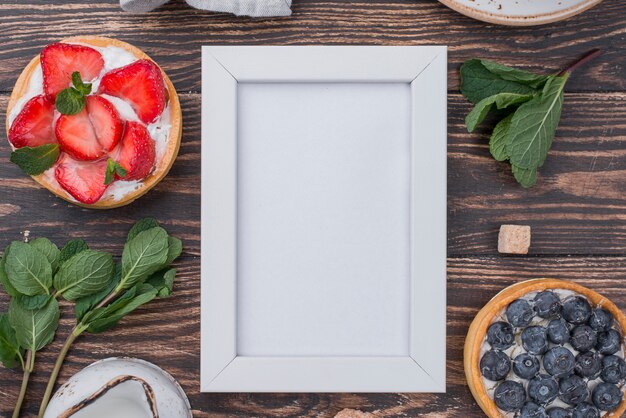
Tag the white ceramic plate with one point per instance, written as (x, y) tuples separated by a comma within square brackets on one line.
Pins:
[(520, 12)]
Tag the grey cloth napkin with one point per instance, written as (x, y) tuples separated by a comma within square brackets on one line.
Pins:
[(256, 8)]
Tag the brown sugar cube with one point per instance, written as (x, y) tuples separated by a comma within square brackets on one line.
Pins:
[(353, 413), (514, 239)]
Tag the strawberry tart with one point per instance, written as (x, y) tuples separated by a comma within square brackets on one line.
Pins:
[(95, 121)]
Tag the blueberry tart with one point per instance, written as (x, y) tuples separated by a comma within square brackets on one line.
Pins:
[(547, 348)]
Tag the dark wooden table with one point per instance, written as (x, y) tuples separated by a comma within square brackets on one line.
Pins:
[(577, 210)]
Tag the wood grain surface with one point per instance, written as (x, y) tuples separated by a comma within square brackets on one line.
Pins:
[(577, 210)]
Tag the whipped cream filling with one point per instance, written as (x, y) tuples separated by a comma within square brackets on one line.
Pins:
[(517, 349), (114, 57)]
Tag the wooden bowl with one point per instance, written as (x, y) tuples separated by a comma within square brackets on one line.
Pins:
[(173, 144), (478, 331)]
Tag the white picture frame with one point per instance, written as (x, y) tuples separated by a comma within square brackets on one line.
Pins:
[(423, 368)]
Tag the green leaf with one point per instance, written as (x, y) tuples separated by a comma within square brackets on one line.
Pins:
[(102, 319), (140, 226), (84, 88), (534, 125), (163, 281), (113, 168), (10, 351), (513, 74), (478, 83), (500, 100), (29, 271), (48, 249), (143, 255), (527, 177), (33, 302), (71, 248), (4, 279), (175, 248), (86, 273), (497, 142), (70, 101), (35, 160), (87, 303), (34, 328)]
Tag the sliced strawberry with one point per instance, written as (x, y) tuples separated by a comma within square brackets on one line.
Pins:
[(33, 125), (136, 152), (59, 61), (139, 83), (83, 180), (92, 132)]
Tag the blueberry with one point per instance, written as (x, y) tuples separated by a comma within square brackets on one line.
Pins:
[(509, 396), (609, 342), (601, 320), (557, 412), (520, 313), (607, 397), (583, 338), (558, 331), (585, 410), (543, 389), (500, 335), (588, 365), (613, 369), (573, 390), (535, 339), (576, 310), (547, 305), (532, 410), (559, 362), (526, 366), (495, 365)]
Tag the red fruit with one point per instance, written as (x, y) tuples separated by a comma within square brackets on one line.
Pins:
[(33, 125), (59, 61), (136, 152), (83, 180), (92, 132), (139, 83)]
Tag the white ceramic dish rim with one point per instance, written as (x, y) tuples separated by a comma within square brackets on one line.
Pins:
[(222, 369), (520, 20)]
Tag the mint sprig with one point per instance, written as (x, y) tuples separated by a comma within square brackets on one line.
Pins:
[(35, 160), (113, 168), (71, 100), (529, 106)]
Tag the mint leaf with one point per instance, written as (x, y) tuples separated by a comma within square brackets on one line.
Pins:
[(34, 328), (113, 168), (175, 248), (70, 101), (102, 319), (140, 226), (35, 160), (48, 249), (500, 100), (71, 248), (527, 177), (478, 83), (499, 137), (29, 271), (33, 302), (534, 125), (84, 88), (84, 274), (87, 303), (163, 281), (142, 256), (4, 279), (10, 351), (513, 74)]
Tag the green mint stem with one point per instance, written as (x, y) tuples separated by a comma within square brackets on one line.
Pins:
[(591, 55), (76, 331), (28, 368)]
